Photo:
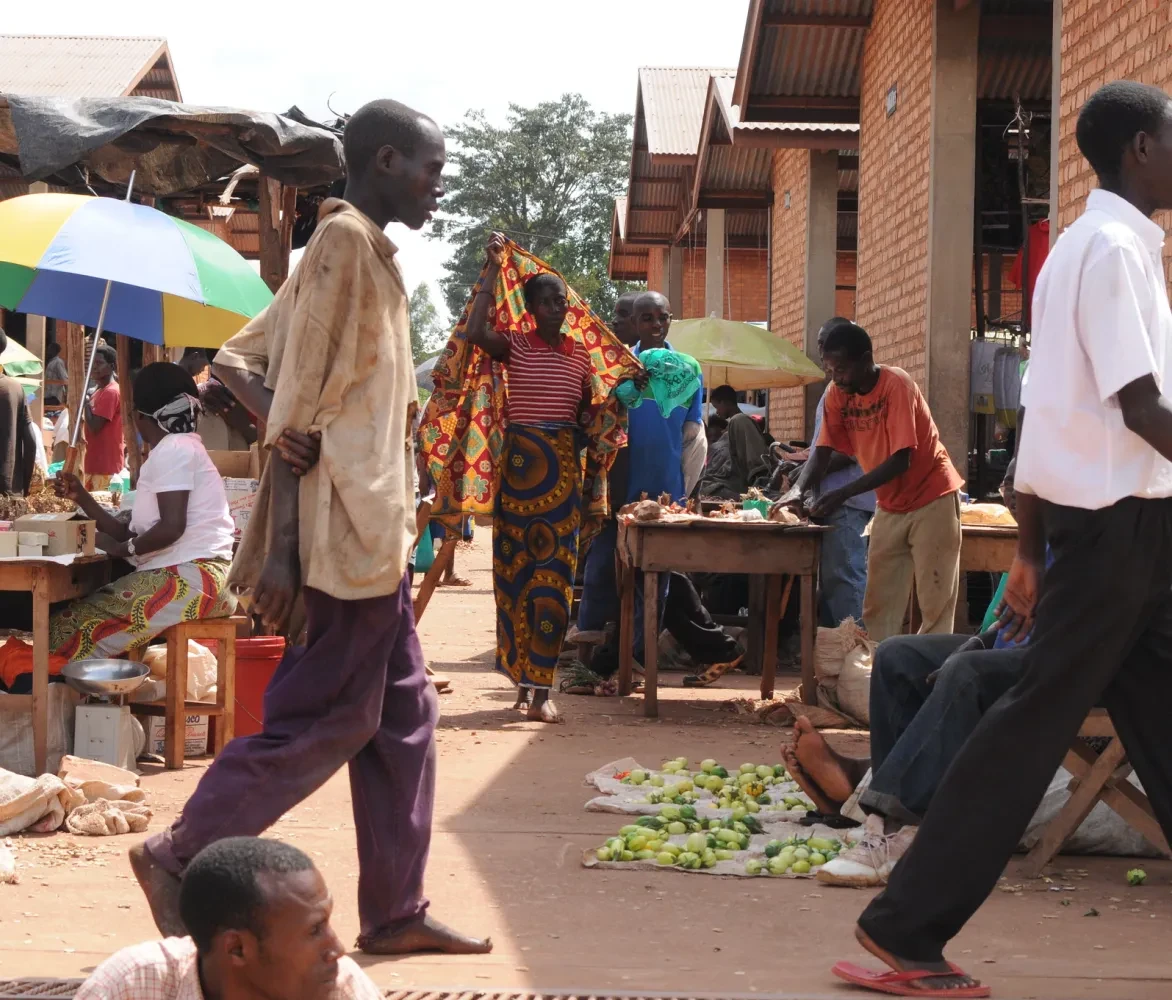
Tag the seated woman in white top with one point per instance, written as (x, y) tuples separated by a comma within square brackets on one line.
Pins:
[(179, 538)]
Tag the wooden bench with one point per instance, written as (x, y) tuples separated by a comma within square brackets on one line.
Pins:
[(1095, 778), (175, 708)]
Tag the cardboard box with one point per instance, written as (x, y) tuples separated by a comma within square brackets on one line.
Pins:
[(195, 743), (8, 544), (66, 536), (237, 464), (241, 498)]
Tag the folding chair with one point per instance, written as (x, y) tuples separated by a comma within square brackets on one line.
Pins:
[(1095, 778)]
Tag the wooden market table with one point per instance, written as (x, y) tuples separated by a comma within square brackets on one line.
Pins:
[(711, 545), (48, 582), (987, 548)]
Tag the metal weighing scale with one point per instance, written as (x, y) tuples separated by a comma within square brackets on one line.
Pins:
[(104, 729)]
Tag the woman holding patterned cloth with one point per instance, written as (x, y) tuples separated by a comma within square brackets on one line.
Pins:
[(179, 538), (548, 387)]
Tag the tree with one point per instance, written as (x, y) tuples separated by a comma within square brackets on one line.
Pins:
[(427, 332), (548, 180)]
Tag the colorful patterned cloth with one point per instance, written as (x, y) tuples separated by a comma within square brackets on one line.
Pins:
[(535, 530), (464, 425), (131, 611)]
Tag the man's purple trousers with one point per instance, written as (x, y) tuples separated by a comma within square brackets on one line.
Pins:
[(357, 694)]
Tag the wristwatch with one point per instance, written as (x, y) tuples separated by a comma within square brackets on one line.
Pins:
[(130, 547)]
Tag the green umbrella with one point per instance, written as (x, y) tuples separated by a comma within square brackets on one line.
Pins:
[(743, 355)]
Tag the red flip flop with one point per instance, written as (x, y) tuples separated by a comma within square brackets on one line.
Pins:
[(901, 984)]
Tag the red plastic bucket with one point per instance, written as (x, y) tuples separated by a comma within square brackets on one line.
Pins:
[(256, 661)]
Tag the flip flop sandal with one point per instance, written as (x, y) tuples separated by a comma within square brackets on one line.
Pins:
[(713, 673), (901, 984)]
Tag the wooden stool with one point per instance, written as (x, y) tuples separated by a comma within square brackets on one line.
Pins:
[(1095, 777), (176, 708)]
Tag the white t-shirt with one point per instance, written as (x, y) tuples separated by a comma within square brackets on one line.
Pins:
[(181, 462), (1101, 321)]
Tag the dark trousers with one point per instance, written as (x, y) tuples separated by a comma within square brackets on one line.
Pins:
[(1103, 637), (690, 624), (918, 728), (356, 694)]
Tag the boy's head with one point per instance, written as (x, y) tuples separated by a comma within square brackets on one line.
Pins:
[(545, 299), (716, 428), (1125, 132), (846, 356), (51, 351), (623, 323), (724, 401), (395, 157), (105, 363), (652, 320)]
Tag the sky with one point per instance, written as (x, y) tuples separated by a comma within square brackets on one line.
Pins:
[(442, 57)]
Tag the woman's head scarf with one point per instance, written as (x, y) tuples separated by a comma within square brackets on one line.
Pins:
[(167, 394)]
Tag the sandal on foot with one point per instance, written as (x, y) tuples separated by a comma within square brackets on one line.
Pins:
[(902, 984)]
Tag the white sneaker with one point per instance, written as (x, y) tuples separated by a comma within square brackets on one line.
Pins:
[(869, 862)]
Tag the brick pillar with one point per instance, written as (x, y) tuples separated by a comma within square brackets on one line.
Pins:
[(657, 268), (951, 164), (821, 261), (714, 263)]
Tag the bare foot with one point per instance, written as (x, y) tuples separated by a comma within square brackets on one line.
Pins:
[(161, 889), (817, 796), (819, 762), (455, 581), (424, 935), (948, 980), (544, 710), (522, 701)]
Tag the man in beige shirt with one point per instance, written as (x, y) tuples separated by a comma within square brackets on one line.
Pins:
[(331, 358), (259, 915)]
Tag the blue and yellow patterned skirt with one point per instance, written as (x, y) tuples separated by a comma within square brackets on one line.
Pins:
[(535, 548)]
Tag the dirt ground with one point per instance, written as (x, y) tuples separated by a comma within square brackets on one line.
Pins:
[(506, 861)]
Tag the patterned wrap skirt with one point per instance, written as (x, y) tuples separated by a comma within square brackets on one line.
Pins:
[(535, 548), (131, 611)]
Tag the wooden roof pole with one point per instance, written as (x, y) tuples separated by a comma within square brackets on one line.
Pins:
[(275, 225)]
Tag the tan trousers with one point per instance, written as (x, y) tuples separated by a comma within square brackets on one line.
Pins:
[(923, 545)]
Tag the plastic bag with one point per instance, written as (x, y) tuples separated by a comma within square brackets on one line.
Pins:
[(424, 552)]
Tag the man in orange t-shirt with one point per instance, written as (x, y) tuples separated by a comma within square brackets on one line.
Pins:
[(878, 416), (105, 449)]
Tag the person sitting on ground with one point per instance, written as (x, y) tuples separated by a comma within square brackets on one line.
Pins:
[(748, 450), (179, 538), (878, 415), (258, 912)]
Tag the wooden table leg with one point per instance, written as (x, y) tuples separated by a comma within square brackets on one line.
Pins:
[(809, 627), (650, 644), (175, 717), (755, 629), (626, 628), (443, 559), (40, 672), (225, 694), (772, 624)]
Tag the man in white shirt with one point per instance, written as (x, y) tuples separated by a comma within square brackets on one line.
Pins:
[(1094, 481), (259, 916)]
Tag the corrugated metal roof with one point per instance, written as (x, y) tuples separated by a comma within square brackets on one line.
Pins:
[(75, 66), (807, 61), (673, 107), (1004, 72)]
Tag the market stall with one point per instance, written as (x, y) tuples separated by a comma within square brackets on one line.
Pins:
[(694, 543)]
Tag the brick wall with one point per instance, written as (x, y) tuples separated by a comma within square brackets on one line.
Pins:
[(1105, 40), (791, 173), (657, 270), (746, 291), (891, 300)]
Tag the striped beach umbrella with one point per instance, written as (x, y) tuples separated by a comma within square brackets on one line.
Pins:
[(171, 283)]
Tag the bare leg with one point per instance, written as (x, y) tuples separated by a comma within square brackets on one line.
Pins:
[(821, 763), (161, 889), (542, 708), (426, 934)]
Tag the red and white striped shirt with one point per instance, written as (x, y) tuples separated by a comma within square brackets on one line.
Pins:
[(546, 384)]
